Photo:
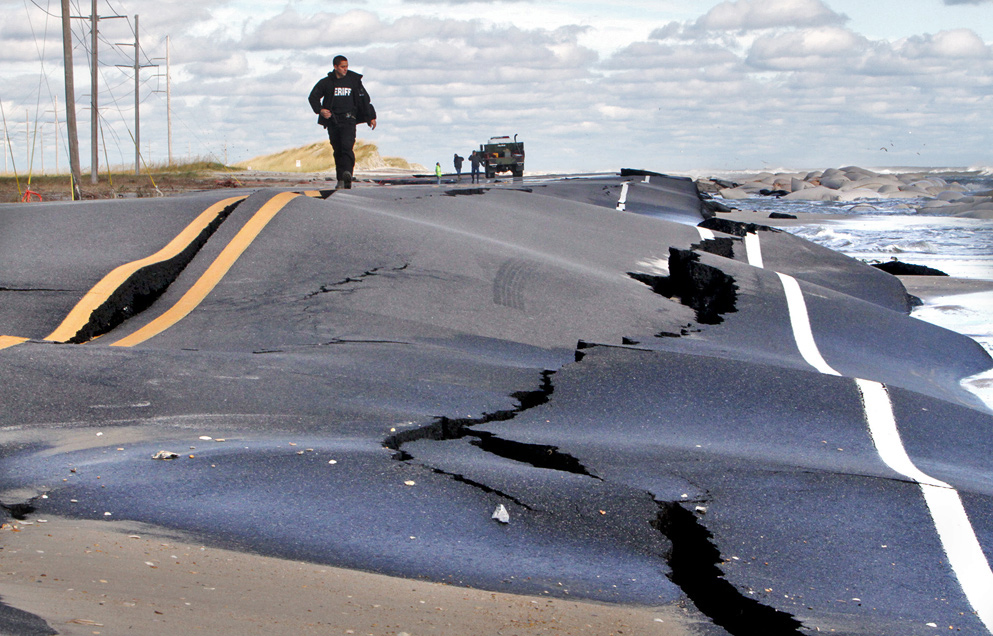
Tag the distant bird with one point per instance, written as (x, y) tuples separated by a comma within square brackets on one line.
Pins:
[(884, 149)]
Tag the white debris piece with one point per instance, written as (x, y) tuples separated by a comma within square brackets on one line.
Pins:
[(501, 514), (162, 454)]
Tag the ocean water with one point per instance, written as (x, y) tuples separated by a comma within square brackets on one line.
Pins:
[(877, 230)]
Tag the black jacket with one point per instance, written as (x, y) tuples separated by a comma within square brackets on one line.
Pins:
[(323, 97)]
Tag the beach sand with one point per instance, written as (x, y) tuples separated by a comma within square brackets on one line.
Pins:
[(95, 577)]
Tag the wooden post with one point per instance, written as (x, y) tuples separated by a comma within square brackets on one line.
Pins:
[(70, 101), (94, 101)]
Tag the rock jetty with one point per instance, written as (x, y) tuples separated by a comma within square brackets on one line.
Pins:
[(925, 193)]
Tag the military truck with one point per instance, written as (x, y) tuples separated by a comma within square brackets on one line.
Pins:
[(501, 154)]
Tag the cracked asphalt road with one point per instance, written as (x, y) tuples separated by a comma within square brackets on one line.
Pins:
[(378, 369)]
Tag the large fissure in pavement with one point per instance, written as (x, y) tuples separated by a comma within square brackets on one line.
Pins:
[(144, 286), (693, 567), (537, 455), (719, 246), (703, 288)]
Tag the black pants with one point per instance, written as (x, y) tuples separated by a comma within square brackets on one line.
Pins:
[(342, 137)]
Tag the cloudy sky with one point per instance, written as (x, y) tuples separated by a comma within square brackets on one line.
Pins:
[(666, 85)]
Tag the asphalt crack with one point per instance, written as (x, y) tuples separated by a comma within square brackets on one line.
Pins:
[(33, 290), (343, 286), (445, 428), (703, 288), (693, 565)]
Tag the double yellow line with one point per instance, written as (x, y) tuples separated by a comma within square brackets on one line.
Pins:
[(98, 295), (101, 292), (195, 295), (9, 341)]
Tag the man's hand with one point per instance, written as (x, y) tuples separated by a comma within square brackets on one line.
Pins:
[(325, 113), (372, 124)]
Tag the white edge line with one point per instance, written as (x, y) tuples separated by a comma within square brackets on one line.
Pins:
[(951, 522), (958, 538), (705, 234), (801, 326), (753, 249), (624, 196)]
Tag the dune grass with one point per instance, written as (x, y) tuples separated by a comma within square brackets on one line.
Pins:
[(317, 157)]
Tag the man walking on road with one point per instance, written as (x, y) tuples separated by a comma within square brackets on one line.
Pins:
[(341, 103), (457, 160)]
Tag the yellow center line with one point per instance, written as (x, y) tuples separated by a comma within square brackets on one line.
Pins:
[(98, 295), (210, 278), (11, 341)]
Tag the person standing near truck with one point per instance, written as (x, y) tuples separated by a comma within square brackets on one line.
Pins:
[(341, 103), (457, 160), (474, 160)]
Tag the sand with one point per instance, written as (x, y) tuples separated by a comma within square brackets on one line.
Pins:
[(92, 577)]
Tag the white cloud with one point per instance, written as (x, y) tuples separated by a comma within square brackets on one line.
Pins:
[(765, 14), (960, 44), (807, 48), (785, 81)]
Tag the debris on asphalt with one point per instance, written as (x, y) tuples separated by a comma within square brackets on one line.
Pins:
[(501, 514)]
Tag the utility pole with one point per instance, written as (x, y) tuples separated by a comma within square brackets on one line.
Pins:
[(137, 84), (94, 91), (94, 101), (168, 102), (137, 118), (70, 101), (55, 99)]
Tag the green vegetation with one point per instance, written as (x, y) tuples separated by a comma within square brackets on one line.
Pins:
[(121, 181)]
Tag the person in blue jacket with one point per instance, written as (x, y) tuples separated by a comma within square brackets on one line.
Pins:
[(341, 103)]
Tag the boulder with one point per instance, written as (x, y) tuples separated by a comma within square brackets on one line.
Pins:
[(901, 194), (856, 194), (863, 208), (734, 193), (834, 182), (915, 191), (854, 172), (815, 193), (899, 268)]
